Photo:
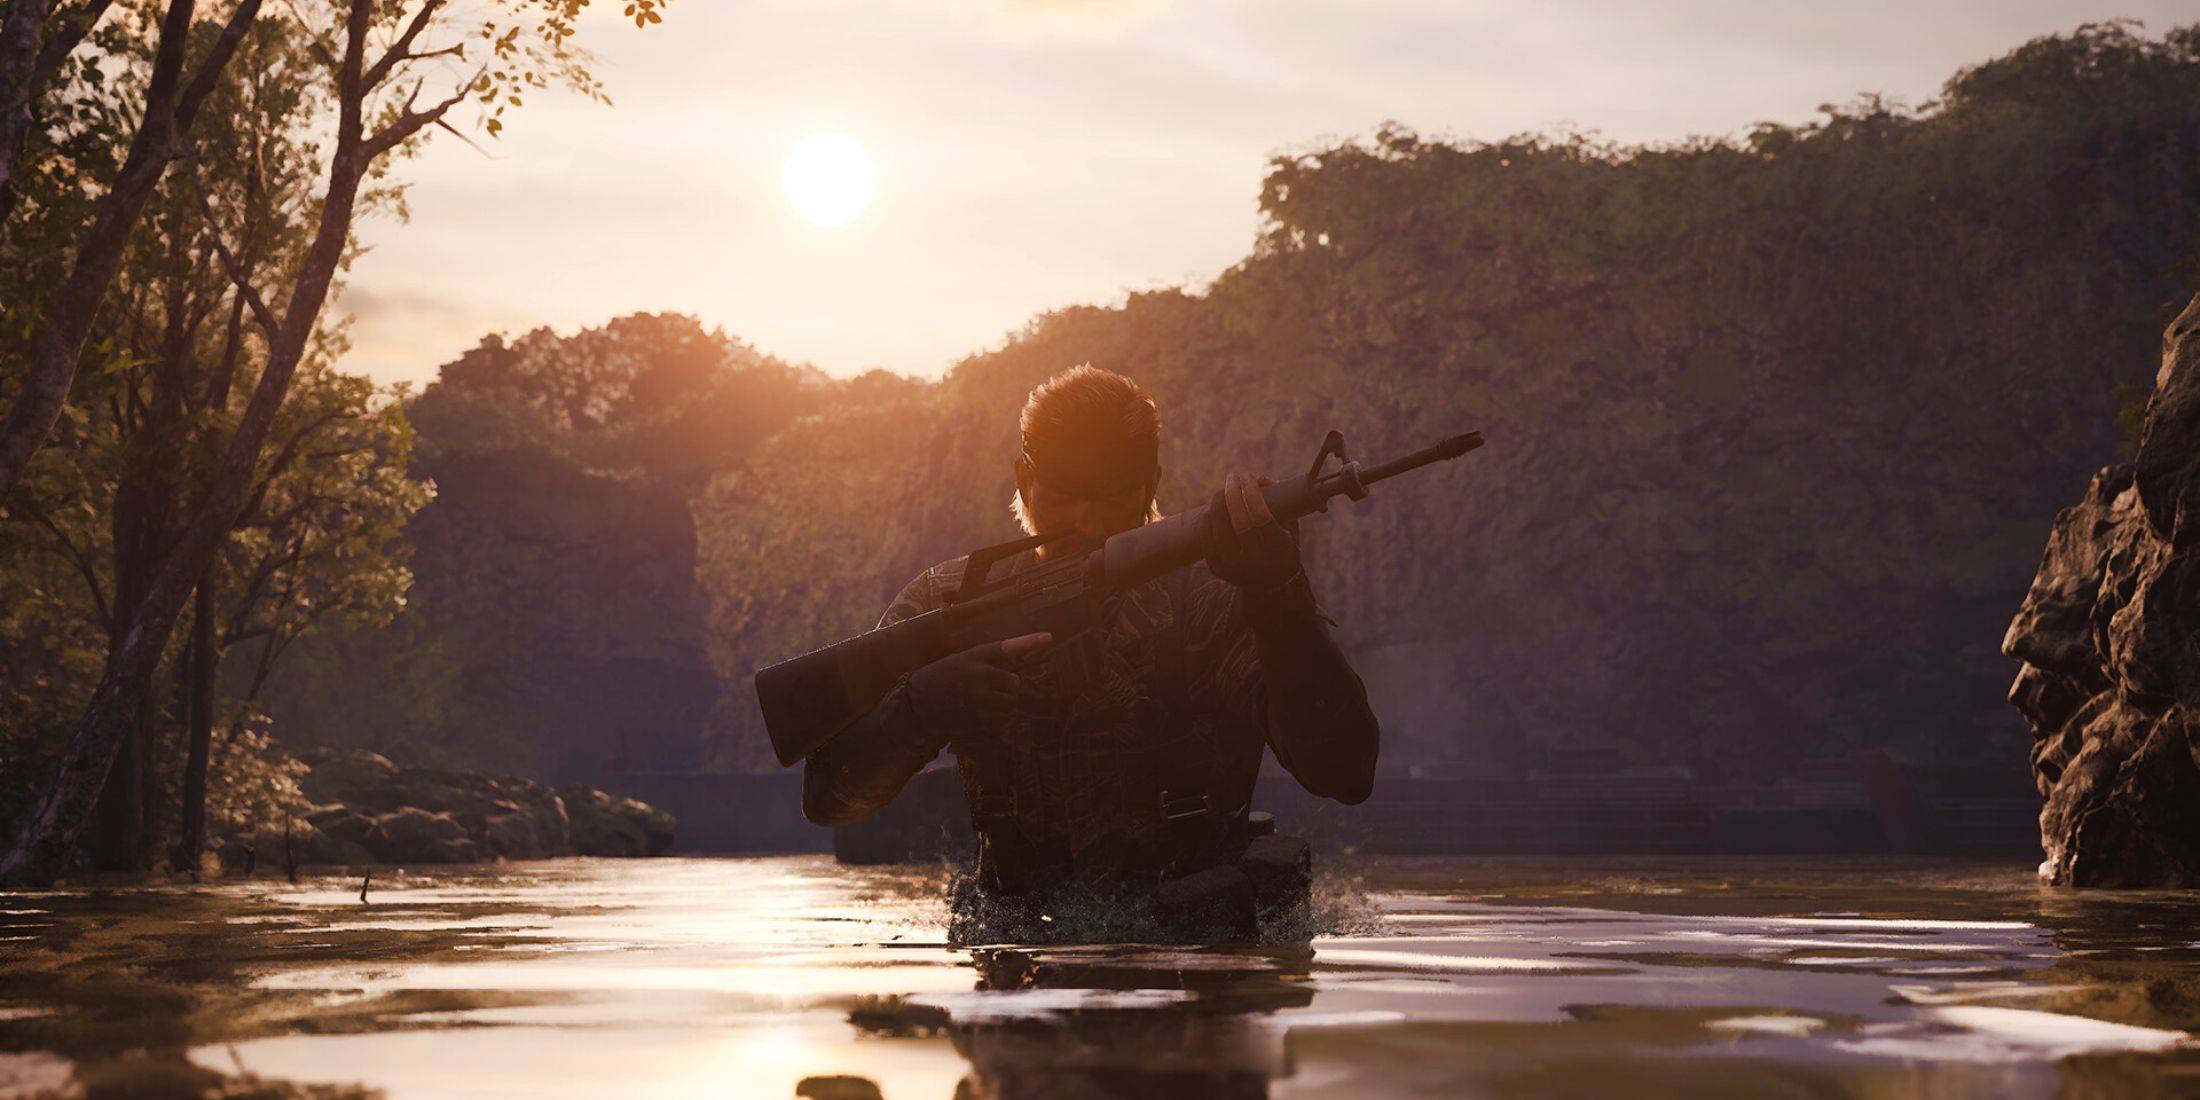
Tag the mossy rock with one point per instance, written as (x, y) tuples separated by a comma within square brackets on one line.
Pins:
[(414, 835), (608, 825), (512, 836), (353, 777)]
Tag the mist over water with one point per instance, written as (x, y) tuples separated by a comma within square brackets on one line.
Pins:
[(765, 976)]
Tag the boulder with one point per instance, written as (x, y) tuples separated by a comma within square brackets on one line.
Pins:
[(2109, 640), (513, 836), (351, 777), (414, 835), (341, 823), (607, 825), (371, 808)]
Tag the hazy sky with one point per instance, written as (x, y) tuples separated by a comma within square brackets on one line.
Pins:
[(1032, 154)]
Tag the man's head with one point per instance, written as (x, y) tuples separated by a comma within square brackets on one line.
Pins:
[(1092, 455)]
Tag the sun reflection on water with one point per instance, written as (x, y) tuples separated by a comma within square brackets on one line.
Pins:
[(751, 977)]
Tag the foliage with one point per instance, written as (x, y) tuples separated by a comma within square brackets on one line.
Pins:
[(158, 394), (554, 627), (254, 780)]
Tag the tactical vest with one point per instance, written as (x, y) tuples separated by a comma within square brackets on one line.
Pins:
[(1107, 772)]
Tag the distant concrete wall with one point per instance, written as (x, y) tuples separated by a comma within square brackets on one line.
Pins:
[(728, 813), (1923, 814)]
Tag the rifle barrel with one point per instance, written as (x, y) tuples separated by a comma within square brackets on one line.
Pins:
[(1451, 448)]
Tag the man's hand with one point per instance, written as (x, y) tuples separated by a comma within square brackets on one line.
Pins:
[(962, 693), (1247, 547)]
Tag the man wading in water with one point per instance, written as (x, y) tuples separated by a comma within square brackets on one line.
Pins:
[(1137, 784)]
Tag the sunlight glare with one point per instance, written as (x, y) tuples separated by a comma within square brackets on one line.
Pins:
[(828, 179)]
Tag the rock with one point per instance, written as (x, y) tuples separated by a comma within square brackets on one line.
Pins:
[(352, 777), (836, 1088), (414, 835), (2109, 637), (311, 846), (608, 825), (341, 823), (546, 812), (373, 808), (513, 836)]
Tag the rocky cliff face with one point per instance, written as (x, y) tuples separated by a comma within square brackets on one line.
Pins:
[(2110, 640)]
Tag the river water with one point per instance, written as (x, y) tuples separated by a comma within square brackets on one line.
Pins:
[(793, 976)]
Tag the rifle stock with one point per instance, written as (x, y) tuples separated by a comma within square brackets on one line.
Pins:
[(808, 700)]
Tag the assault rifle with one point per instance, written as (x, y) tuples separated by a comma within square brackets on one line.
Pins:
[(808, 700)]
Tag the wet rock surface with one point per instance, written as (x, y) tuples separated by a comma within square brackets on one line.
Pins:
[(369, 809), (2109, 635)]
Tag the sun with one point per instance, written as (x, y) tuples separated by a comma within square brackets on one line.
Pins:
[(828, 179)]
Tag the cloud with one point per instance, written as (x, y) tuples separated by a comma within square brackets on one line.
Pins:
[(1030, 20), (404, 335), (1094, 18)]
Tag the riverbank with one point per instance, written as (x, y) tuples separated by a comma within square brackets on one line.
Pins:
[(368, 810)]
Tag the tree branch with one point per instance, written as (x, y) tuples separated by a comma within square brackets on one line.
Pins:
[(399, 50), (68, 32), (288, 455), (74, 307), (238, 275), (22, 44), (410, 122), (210, 70), (76, 556)]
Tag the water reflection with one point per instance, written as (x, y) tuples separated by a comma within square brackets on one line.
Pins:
[(1111, 1021), (795, 977)]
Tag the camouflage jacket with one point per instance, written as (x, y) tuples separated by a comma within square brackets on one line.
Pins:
[(1157, 750)]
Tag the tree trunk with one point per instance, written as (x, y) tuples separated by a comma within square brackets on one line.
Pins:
[(200, 663), (121, 807), (22, 36), (70, 313), (35, 41), (41, 851), (152, 722)]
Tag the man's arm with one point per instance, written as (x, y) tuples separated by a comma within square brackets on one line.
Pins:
[(1274, 660), (1271, 661), (1319, 723)]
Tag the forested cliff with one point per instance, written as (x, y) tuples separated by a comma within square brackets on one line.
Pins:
[(1776, 426)]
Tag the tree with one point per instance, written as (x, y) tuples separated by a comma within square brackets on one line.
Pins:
[(375, 110), (173, 96), (35, 43), (554, 627)]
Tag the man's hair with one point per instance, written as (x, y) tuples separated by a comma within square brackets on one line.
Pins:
[(1090, 432)]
